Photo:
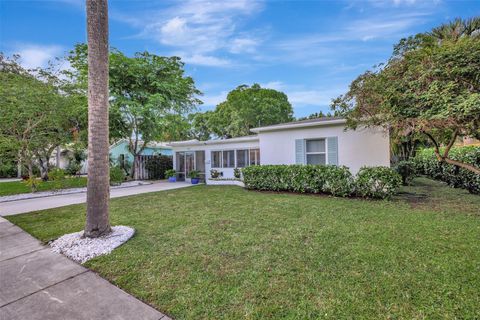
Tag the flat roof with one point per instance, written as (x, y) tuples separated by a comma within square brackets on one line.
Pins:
[(325, 121), (196, 142)]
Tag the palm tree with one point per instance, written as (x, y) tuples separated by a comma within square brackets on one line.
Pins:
[(98, 188), (457, 29)]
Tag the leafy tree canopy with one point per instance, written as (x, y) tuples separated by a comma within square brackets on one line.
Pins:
[(246, 107), (429, 86), (38, 112), (149, 96)]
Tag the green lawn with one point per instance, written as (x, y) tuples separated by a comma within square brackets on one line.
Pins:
[(16, 187), (218, 252)]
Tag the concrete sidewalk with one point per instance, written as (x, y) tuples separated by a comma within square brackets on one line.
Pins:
[(36, 283), (28, 205)]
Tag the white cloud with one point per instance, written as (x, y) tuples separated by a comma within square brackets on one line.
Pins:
[(198, 28), (398, 3), (243, 45), (204, 60), (327, 47), (384, 27), (33, 56), (276, 85), (310, 97), (214, 99)]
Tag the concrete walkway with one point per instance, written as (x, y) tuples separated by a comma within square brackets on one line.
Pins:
[(28, 205), (36, 283)]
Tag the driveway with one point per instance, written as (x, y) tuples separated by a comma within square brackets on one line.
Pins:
[(27, 205), (36, 283)]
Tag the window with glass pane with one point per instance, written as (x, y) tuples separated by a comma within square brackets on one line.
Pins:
[(254, 157), (229, 159), (242, 158), (314, 146), (316, 159), (216, 159), (315, 151)]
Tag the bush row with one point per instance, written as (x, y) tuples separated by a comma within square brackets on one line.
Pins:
[(375, 182), (426, 163)]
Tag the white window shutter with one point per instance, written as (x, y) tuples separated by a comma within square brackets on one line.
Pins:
[(332, 150), (300, 151)]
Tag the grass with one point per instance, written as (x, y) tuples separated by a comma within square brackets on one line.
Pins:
[(211, 252), (17, 187)]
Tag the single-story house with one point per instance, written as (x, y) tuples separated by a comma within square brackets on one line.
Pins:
[(120, 154), (312, 141)]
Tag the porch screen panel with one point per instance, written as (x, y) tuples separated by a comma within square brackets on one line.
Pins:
[(254, 157), (189, 162), (200, 161), (216, 159), (228, 158), (180, 161), (242, 158)]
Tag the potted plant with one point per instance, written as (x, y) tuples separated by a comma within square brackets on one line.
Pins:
[(194, 176), (171, 175)]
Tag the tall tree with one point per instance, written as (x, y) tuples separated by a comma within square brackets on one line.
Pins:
[(98, 188), (200, 126), (430, 86), (248, 107), (37, 113), (150, 96)]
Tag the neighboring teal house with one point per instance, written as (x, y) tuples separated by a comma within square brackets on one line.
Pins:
[(120, 154)]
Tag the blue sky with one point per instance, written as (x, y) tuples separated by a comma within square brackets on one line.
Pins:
[(311, 50)]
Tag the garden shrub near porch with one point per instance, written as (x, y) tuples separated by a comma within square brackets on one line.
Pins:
[(376, 182), (334, 180)]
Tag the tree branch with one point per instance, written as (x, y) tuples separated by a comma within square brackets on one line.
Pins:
[(445, 158), (450, 144), (435, 143), (463, 165)]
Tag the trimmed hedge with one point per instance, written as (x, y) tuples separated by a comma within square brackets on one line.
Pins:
[(377, 182), (427, 164), (334, 180)]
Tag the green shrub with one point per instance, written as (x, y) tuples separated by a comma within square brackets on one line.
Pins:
[(377, 182), (57, 176), (7, 169), (334, 180), (237, 173), (73, 168), (170, 173), (427, 164), (76, 157), (157, 166), (117, 175), (33, 183), (215, 173), (194, 174), (406, 169)]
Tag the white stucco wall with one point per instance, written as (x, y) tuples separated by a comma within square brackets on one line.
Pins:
[(362, 147), (227, 172), (356, 148)]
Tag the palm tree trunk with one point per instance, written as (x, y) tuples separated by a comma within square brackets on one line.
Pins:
[(98, 188)]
